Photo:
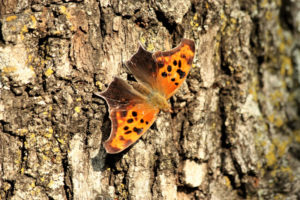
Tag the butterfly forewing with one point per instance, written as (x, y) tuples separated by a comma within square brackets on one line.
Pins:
[(163, 71), (173, 67)]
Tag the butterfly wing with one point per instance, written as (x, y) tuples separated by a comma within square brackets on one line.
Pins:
[(128, 125), (163, 71), (143, 67), (173, 66), (130, 114)]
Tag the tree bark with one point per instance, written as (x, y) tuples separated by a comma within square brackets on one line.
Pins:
[(235, 130)]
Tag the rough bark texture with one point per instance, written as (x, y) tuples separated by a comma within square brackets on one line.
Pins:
[(235, 132)]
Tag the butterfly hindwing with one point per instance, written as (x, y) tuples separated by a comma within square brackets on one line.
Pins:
[(128, 125), (120, 93), (130, 114)]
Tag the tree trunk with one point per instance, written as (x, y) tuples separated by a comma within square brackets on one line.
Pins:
[(235, 130)]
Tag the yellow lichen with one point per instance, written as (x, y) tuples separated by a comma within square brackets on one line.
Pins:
[(45, 158), (77, 109), (270, 156), (23, 131), (23, 30), (48, 135), (48, 72), (78, 99), (278, 122), (29, 59), (231, 68), (283, 169), (282, 47), (233, 20), (50, 183), (280, 32), (279, 196), (264, 3), (11, 18), (8, 69), (142, 40), (253, 89), (278, 3), (263, 143), (63, 10), (277, 97), (286, 63), (227, 181), (56, 150), (207, 5), (58, 159), (31, 68), (33, 19), (32, 135), (282, 70), (61, 141), (32, 184), (195, 17), (150, 47), (73, 28), (193, 21), (269, 15), (281, 145), (26, 145), (297, 135)]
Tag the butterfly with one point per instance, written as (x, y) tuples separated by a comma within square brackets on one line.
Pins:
[(134, 107)]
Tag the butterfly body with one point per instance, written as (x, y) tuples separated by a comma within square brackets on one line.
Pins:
[(133, 108), (153, 97), (157, 100)]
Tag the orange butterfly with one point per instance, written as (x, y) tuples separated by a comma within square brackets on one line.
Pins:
[(133, 109)]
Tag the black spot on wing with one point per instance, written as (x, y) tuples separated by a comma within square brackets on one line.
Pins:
[(130, 121), (175, 62), (173, 79), (181, 73), (138, 130), (164, 74), (134, 113), (127, 132), (142, 121), (126, 128), (179, 63), (169, 68)]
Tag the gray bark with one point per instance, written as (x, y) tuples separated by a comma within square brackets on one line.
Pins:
[(235, 130)]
